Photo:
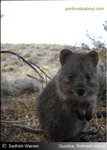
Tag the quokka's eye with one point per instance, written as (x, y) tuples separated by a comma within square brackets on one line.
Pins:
[(89, 76), (71, 76)]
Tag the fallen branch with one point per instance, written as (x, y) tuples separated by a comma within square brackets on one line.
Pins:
[(26, 129), (4, 121), (4, 134), (16, 121)]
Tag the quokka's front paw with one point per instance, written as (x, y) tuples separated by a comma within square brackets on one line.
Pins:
[(88, 116), (80, 114)]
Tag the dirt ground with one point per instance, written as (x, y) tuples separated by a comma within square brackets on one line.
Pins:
[(19, 109)]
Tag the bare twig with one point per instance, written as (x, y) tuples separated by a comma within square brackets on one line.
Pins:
[(40, 69), (27, 129), (24, 60), (32, 77), (4, 134), (16, 121)]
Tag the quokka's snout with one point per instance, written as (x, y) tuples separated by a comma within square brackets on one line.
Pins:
[(81, 90)]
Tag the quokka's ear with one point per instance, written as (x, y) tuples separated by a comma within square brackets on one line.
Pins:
[(64, 54), (94, 56)]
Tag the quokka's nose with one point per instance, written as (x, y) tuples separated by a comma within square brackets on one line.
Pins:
[(81, 91)]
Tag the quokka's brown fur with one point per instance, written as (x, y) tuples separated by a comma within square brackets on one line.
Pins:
[(68, 102)]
